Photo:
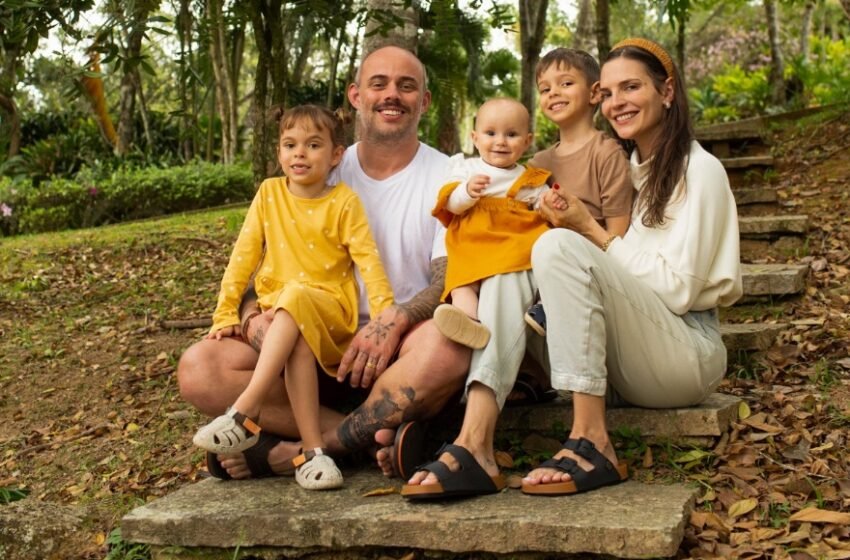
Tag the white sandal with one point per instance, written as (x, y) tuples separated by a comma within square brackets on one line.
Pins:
[(317, 470), (232, 432)]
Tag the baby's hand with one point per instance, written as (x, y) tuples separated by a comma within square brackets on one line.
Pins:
[(226, 332), (476, 185), (554, 199)]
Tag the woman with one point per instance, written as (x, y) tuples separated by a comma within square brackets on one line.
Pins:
[(636, 316)]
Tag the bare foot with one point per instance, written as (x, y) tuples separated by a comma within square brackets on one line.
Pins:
[(550, 476), (280, 457), (485, 458), (384, 438)]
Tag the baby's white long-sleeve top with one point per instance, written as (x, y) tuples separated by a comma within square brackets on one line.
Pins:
[(461, 169), (692, 261)]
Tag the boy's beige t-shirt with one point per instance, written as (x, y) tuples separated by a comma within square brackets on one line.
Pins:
[(598, 174)]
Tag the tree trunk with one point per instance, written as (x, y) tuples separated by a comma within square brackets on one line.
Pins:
[(8, 85), (135, 30), (603, 29), (8, 106), (270, 41), (126, 110), (845, 5), (225, 95), (306, 34), (532, 25), (187, 106), (143, 109), (777, 64), (806, 30), (405, 35), (681, 47), (448, 136), (583, 36), (334, 69)]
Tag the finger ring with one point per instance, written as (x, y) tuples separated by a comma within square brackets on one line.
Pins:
[(371, 363)]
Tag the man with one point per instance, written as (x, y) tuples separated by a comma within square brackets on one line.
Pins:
[(410, 369)]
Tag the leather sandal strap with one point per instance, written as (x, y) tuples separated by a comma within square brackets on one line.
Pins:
[(603, 472), (247, 423), (308, 455)]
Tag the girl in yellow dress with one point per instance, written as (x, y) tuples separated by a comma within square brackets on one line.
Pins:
[(301, 239)]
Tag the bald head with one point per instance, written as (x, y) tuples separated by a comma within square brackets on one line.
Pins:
[(391, 52)]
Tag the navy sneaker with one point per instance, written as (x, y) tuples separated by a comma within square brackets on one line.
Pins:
[(536, 318)]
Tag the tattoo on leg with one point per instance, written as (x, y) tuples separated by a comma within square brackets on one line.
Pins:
[(358, 429)]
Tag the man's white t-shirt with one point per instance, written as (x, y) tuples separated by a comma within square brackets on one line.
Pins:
[(399, 212)]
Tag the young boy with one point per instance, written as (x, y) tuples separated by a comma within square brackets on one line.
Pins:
[(584, 162)]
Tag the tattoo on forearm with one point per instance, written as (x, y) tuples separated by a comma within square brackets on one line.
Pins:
[(422, 305), (358, 429), (257, 339)]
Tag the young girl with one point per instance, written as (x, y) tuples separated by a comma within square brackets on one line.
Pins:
[(488, 208), (301, 238)]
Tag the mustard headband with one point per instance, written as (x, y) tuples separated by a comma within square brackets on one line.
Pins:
[(652, 48)]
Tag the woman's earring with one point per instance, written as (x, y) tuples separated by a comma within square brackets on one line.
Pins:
[(666, 104)]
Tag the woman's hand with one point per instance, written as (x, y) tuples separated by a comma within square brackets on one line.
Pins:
[(566, 211)]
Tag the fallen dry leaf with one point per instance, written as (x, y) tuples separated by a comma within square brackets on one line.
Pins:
[(742, 507), (380, 492), (815, 515)]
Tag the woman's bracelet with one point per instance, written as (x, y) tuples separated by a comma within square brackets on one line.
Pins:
[(607, 243)]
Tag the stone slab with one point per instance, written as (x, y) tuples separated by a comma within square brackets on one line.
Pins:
[(744, 129), (773, 225), (755, 195), (630, 520), (709, 419), (747, 162), (750, 336), (774, 279)]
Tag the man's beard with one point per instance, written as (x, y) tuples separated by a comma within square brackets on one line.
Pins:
[(378, 135)]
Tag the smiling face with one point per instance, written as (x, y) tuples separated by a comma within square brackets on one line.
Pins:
[(390, 95), (633, 103), (307, 154), (501, 132), (564, 94)]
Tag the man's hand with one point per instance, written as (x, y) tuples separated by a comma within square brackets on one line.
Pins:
[(372, 348), (476, 185), (226, 332)]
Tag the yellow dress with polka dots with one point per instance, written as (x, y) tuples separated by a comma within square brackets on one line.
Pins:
[(303, 251)]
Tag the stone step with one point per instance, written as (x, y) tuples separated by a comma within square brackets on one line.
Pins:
[(745, 196), (747, 337), (761, 226), (707, 420), (274, 518), (774, 279), (748, 162)]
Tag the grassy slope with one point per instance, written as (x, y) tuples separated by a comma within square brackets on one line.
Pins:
[(84, 361)]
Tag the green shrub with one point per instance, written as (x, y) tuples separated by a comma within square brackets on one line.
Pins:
[(92, 199), (825, 77), (734, 94)]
